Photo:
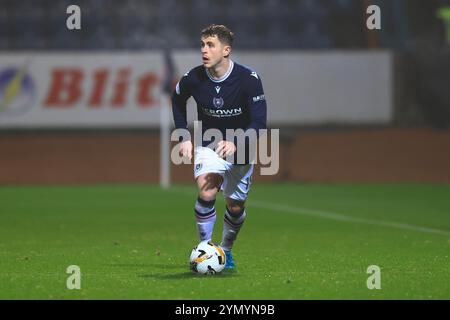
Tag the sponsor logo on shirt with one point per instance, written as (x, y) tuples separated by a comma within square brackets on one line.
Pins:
[(218, 102), (259, 98), (220, 113)]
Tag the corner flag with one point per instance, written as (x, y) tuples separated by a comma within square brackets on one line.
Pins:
[(167, 85)]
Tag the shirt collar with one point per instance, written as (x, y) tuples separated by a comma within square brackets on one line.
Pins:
[(225, 76)]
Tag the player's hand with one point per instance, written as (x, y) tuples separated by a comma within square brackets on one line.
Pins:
[(225, 148), (186, 149)]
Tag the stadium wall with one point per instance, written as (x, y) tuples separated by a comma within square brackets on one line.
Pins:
[(75, 118), (333, 155)]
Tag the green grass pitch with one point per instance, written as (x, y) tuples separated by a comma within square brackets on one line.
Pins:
[(300, 241)]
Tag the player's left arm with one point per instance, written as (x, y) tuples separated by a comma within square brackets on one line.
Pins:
[(256, 102)]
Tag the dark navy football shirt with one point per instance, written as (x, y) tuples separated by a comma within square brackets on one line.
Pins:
[(235, 101)]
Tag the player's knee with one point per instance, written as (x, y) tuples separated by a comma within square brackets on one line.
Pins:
[(235, 208), (207, 195), (208, 186)]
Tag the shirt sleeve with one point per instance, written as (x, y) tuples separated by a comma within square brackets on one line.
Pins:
[(257, 103), (179, 98)]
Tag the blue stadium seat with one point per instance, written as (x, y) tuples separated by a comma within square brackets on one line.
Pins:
[(135, 24), (312, 37), (4, 36), (100, 39)]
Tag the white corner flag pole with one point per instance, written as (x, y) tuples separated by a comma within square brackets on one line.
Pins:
[(165, 143)]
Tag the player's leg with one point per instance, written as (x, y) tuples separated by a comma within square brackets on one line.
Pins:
[(208, 172), (236, 186), (205, 212), (233, 220)]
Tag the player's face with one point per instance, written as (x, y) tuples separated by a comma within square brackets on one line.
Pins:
[(213, 51)]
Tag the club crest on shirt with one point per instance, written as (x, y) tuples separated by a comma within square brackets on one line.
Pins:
[(198, 166), (218, 102)]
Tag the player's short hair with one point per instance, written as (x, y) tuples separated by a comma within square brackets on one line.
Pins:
[(222, 32)]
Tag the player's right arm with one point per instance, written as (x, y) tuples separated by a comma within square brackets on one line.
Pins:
[(179, 99)]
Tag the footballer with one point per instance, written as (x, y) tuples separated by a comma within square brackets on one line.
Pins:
[(228, 96)]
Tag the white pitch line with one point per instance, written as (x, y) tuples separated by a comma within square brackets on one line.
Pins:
[(336, 216), (341, 217)]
